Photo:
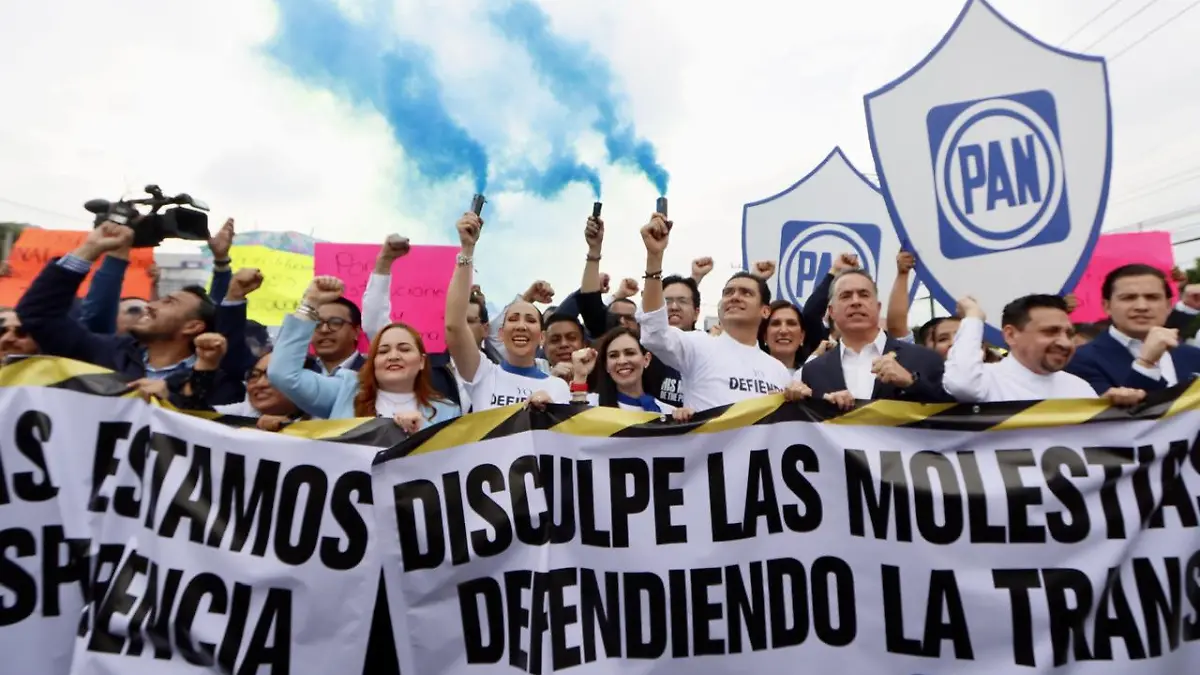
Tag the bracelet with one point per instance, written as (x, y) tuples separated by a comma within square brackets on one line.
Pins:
[(307, 311), (579, 388), (464, 260), (223, 262), (593, 258), (653, 275)]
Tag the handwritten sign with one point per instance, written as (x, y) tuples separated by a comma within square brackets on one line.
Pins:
[(285, 277), (1112, 251), (419, 281), (35, 248)]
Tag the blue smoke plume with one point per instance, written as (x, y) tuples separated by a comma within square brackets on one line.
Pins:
[(548, 182), (320, 46), (581, 81)]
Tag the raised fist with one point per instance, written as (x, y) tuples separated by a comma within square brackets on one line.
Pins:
[(656, 235), (244, 282), (845, 261), (968, 308), (605, 280), (394, 247), (222, 241), (764, 269), (701, 267), (469, 227), (540, 291), (905, 262), (594, 233), (583, 361), (323, 290), (628, 289), (210, 349)]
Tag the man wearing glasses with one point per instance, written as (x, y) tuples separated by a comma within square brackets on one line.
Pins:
[(335, 341), (14, 341)]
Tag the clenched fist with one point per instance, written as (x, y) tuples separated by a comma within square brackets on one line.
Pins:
[(210, 349), (394, 247), (905, 262), (764, 269), (845, 261), (323, 290), (108, 236), (539, 291), (628, 289), (582, 362), (656, 234), (469, 228), (701, 267), (244, 282), (593, 233)]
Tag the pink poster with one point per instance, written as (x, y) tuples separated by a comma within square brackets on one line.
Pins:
[(1112, 251), (419, 282)]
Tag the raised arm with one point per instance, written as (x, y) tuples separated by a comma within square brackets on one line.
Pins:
[(897, 309), (222, 273), (312, 392), (964, 376), (377, 299), (667, 343), (98, 311), (460, 342)]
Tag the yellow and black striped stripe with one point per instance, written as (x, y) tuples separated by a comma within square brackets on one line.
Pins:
[(59, 373), (612, 423)]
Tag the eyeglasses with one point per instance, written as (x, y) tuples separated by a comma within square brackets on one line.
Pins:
[(678, 302), (256, 374), (18, 332), (333, 324)]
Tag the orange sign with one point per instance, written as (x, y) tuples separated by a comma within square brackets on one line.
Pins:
[(35, 248)]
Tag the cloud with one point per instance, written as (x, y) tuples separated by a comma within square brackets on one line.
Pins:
[(583, 82)]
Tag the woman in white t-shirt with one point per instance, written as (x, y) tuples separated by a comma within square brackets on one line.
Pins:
[(516, 379), (614, 369)]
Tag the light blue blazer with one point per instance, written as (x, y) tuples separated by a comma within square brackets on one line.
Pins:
[(328, 397)]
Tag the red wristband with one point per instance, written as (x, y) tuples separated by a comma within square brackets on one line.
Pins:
[(579, 388)]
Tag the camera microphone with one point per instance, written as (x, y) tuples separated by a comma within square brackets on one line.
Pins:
[(477, 203), (97, 206), (596, 206)]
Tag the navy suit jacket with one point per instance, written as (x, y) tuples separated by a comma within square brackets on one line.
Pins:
[(1106, 363), (824, 374)]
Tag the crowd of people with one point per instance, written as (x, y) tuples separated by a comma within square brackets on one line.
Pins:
[(196, 349)]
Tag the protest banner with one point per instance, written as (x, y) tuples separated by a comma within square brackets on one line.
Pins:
[(897, 538), (210, 547), (1112, 251), (286, 276), (419, 281), (36, 247)]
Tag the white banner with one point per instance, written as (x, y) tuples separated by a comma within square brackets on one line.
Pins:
[(212, 549), (896, 539)]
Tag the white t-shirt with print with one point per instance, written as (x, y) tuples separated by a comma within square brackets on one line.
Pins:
[(718, 370), (494, 387)]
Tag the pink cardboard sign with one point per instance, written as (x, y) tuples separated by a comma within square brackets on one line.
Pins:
[(1112, 251), (419, 282)]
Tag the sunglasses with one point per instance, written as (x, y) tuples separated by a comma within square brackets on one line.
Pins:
[(18, 332)]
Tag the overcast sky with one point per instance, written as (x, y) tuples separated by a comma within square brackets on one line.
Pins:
[(738, 99)]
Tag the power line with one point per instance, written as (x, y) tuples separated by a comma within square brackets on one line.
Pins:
[(1155, 30), (1090, 22), (39, 209), (1114, 29)]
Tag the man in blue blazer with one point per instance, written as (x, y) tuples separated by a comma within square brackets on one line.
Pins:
[(869, 365), (1137, 353)]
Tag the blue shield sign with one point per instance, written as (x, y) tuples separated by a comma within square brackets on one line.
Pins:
[(994, 155), (832, 210)]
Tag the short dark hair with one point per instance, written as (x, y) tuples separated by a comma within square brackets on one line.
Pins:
[(623, 300), (927, 329), (207, 310), (1133, 270), (1090, 331), (854, 271), (558, 317), (1016, 313), (478, 302), (764, 291), (686, 281), (355, 312)]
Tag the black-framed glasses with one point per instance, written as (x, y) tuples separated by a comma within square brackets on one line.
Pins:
[(18, 332), (333, 324), (255, 375)]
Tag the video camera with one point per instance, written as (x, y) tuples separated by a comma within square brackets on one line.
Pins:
[(187, 220)]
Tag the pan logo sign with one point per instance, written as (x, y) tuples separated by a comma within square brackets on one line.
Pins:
[(998, 174), (808, 250)]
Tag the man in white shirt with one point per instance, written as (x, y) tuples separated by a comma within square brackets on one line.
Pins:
[(1039, 335), (868, 365), (718, 370)]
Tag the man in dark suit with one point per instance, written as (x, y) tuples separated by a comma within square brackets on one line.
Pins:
[(869, 365), (1137, 353)]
